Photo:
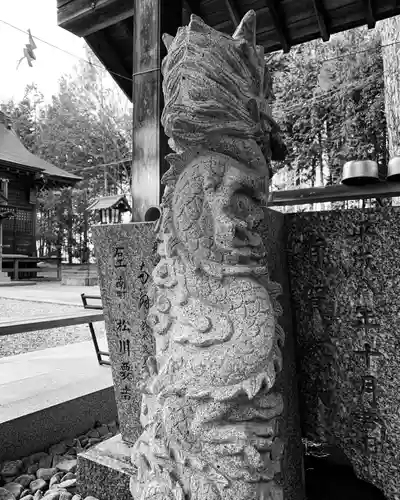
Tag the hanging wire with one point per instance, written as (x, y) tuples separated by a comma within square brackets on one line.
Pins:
[(347, 54), (79, 58), (288, 109), (320, 97), (115, 162), (66, 51), (341, 56), (313, 99)]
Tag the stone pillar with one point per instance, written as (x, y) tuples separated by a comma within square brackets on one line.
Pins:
[(274, 235), (105, 470), (150, 145), (344, 272), (125, 255)]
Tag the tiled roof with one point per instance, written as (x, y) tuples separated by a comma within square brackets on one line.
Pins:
[(12, 151), (109, 202)]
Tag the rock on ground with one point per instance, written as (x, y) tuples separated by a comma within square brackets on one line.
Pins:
[(15, 488), (6, 495), (37, 484), (11, 468), (51, 475), (25, 479)]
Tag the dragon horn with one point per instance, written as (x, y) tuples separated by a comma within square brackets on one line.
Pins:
[(167, 39), (247, 28)]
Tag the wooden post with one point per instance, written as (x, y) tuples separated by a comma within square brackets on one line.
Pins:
[(1, 247), (4, 192), (34, 218), (59, 269), (16, 270), (152, 19)]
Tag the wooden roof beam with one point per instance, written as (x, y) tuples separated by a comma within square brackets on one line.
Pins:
[(369, 13), (277, 20), (104, 50), (233, 12), (83, 17), (322, 19)]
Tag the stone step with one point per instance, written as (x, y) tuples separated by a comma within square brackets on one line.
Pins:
[(80, 275), (79, 280), (52, 394)]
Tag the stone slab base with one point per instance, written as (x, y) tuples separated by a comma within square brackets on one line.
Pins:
[(105, 470), (50, 395), (4, 278), (80, 281), (38, 431)]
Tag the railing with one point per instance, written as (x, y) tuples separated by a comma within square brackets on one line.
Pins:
[(335, 193), (22, 325), (99, 353), (18, 273)]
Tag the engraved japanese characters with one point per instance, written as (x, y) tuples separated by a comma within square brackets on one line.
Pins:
[(126, 256), (344, 272), (210, 411)]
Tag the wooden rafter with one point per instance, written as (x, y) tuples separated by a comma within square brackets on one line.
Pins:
[(369, 13), (61, 3), (194, 7), (322, 19), (278, 22), (233, 12)]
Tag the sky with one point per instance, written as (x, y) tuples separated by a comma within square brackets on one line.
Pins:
[(40, 16)]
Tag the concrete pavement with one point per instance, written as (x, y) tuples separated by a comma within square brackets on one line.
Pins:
[(50, 292)]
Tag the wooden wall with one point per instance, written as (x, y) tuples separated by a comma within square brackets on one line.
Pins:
[(19, 231)]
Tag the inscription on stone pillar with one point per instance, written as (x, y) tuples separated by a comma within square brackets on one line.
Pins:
[(367, 432), (349, 359), (126, 257)]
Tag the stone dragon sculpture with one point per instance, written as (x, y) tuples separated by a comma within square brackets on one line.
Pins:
[(210, 412)]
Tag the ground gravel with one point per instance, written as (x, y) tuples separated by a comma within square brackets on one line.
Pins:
[(35, 341)]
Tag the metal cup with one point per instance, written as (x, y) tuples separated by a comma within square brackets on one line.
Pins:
[(358, 173), (393, 174)]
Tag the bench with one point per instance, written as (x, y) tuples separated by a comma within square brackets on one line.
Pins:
[(15, 326), (85, 297)]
